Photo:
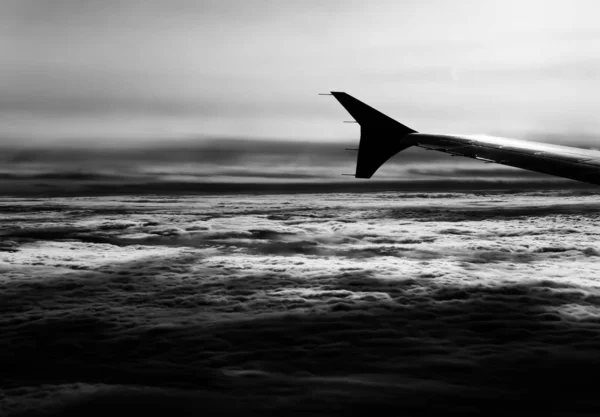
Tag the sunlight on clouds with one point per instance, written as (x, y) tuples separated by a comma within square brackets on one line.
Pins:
[(119, 302)]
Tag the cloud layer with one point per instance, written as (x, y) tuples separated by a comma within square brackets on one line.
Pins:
[(321, 304), (226, 165)]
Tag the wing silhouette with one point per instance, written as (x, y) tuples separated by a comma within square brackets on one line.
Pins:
[(382, 137)]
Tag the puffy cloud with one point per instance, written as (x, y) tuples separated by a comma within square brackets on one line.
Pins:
[(327, 304)]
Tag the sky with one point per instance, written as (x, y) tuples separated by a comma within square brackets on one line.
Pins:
[(92, 74)]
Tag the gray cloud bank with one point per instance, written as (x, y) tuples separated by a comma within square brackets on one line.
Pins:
[(226, 165), (446, 304)]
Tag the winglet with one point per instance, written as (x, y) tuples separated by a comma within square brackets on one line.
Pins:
[(381, 137)]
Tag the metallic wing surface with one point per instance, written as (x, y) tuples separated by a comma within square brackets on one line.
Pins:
[(382, 137)]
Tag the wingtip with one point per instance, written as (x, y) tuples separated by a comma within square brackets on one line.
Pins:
[(333, 93)]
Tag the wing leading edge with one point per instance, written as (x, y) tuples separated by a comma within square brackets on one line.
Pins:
[(382, 137)]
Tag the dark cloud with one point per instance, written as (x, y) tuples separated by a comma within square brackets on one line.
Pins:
[(354, 355), (66, 176), (495, 172), (201, 150), (45, 189), (8, 246), (226, 165), (434, 213)]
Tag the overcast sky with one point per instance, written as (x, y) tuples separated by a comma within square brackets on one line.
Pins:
[(133, 71)]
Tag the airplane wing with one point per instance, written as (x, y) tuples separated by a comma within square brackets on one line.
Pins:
[(382, 137)]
